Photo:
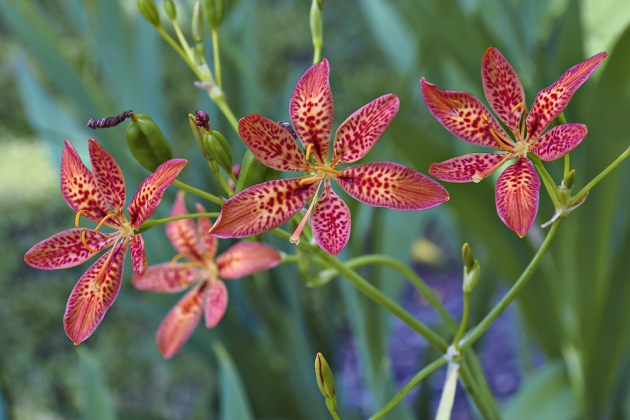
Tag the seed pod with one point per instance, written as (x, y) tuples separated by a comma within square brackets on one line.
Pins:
[(215, 9), (569, 179), (197, 23), (149, 11), (219, 149), (147, 143), (325, 381), (169, 8)]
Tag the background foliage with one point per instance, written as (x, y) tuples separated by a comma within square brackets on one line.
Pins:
[(566, 350)]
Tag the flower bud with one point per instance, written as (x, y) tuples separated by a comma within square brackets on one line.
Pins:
[(169, 8), (325, 381), (194, 126), (147, 143), (472, 271), (197, 23), (317, 22), (569, 179), (219, 149), (149, 11), (215, 10)]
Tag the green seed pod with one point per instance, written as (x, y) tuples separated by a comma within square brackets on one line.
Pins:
[(317, 23), (569, 179), (325, 379), (215, 9), (149, 11), (147, 143), (219, 149), (169, 8), (197, 23), (254, 172)]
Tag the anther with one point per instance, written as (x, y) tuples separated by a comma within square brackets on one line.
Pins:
[(175, 259), (325, 169), (79, 213), (521, 105), (507, 149), (310, 179), (308, 150), (85, 242), (102, 222)]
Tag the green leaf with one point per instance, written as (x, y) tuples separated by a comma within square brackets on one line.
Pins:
[(97, 401), (233, 399)]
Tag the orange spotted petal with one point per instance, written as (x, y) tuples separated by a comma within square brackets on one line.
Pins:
[(167, 278), (550, 102), (271, 144), (87, 305), (460, 113), (463, 168), (138, 256), (66, 249), (517, 194), (209, 243), (152, 189), (183, 233), (311, 109), (502, 87), (216, 303), (246, 258), (108, 176), (559, 141), (262, 207), (360, 132), (79, 189), (181, 321), (388, 184), (330, 221)]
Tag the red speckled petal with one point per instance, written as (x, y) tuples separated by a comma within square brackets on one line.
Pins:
[(311, 109), (271, 144), (502, 87), (152, 189), (216, 303), (209, 243), (181, 321), (460, 113), (87, 305), (517, 194), (550, 102), (65, 249), (262, 207), (183, 233), (246, 258), (559, 141), (79, 188), (462, 168), (108, 176), (388, 184), (167, 278), (330, 221), (360, 132), (138, 256)]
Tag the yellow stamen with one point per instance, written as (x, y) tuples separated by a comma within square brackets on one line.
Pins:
[(507, 149), (521, 105), (481, 175), (308, 150), (325, 169), (310, 179), (85, 242), (175, 259), (191, 264), (79, 213), (102, 222), (522, 122)]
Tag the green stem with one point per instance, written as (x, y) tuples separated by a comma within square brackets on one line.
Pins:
[(409, 386), (179, 51), (225, 108), (472, 389), (483, 326), (198, 192), (182, 40), (601, 176), (462, 326), (567, 165), (224, 184), (317, 52), (216, 57), (334, 415), (548, 181), (288, 258), (477, 374), (148, 224)]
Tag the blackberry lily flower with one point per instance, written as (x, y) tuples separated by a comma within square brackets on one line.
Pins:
[(517, 189), (209, 295), (266, 206), (100, 197)]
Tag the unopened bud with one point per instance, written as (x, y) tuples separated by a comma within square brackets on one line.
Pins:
[(325, 381), (147, 143), (149, 11), (569, 179), (472, 272), (287, 126), (215, 9), (197, 23), (194, 126), (202, 119), (219, 149), (169, 8)]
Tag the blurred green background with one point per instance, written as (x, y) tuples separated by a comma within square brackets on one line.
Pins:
[(64, 61)]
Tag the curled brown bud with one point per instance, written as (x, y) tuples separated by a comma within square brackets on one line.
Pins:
[(203, 119), (287, 126)]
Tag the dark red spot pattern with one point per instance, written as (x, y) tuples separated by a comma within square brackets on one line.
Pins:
[(559, 141), (108, 176), (331, 221), (517, 194), (462, 168)]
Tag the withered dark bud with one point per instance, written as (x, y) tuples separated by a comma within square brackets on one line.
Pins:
[(287, 126), (203, 119), (109, 122)]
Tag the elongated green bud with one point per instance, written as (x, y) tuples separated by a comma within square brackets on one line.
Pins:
[(147, 143), (149, 11), (194, 126), (254, 172), (472, 272), (317, 30), (569, 179), (215, 9), (169, 8), (325, 381), (219, 149), (197, 23)]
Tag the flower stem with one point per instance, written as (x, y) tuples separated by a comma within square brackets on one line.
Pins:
[(182, 40), (179, 51), (435, 365), (599, 177), (547, 180), (148, 224), (216, 57), (196, 191), (486, 408), (483, 326), (567, 165), (334, 415), (465, 315)]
